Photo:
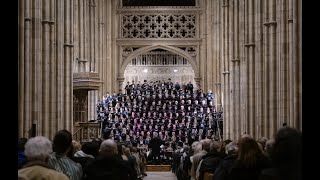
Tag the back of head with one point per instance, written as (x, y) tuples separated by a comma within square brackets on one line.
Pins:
[(38, 148), (76, 146), (198, 148), (232, 148), (206, 144), (91, 148), (127, 152), (62, 141), (21, 143), (98, 141), (262, 141), (249, 151), (214, 146), (108, 148), (287, 148), (269, 146)]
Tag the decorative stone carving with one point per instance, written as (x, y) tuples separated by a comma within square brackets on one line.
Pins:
[(86, 80), (159, 26)]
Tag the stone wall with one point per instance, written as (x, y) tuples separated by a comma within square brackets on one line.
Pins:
[(256, 55)]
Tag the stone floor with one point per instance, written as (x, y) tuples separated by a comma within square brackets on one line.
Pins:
[(160, 176)]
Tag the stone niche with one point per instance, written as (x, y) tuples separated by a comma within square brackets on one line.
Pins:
[(86, 80)]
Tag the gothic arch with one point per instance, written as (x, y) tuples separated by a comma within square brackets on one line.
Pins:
[(168, 48)]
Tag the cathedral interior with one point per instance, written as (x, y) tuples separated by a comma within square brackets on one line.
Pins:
[(72, 53)]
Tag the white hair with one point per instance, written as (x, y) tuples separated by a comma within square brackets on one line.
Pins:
[(38, 147), (109, 147)]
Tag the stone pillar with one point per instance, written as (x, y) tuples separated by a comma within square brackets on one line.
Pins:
[(21, 78), (45, 70), (258, 59)]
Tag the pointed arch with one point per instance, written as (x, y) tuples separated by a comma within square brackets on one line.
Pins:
[(150, 48)]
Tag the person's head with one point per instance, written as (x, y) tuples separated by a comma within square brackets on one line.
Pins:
[(38, 148), (155, 134), (108, 148), (21, 143), (214, 146), (76, 146), (91, 148), (198, 148), (269, 147), (127, 152), (262, 141), (223, 145), (287, 149), (120, 149), (232, 148), (248, 151), (206, 144), (62, 142)]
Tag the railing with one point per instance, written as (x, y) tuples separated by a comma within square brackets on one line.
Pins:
[(87, 131), (77, 135)]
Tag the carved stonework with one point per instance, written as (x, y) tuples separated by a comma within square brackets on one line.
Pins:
[(159, 9), (159, 26), (126, 51), (86, 80)]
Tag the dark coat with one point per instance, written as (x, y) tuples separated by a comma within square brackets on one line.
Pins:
[(224, 167), (240, 172), (209, 163), (111, 168)]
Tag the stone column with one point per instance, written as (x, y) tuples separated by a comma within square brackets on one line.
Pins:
[(243, 69), (109, 37), (297, 61), (235, 97), (45, 69), (53, 72), (36, 65), (21, 78), (258, 57), (209, 43)]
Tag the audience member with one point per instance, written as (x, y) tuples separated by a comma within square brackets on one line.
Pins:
[(60, 161), (286, 156), (250, 161), (37, 151), (22, 159), (108, 165)]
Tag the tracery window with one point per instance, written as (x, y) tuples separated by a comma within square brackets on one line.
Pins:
[(159, 26)]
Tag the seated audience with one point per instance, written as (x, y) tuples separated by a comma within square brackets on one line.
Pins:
[(37, 151), (225, 165), (89, 151), (250, 161), (59, 160), (286, 156), (210, 161), (108, 165)]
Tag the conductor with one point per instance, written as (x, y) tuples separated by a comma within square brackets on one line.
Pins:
[(155, 144)]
